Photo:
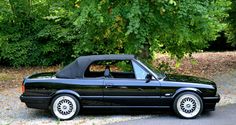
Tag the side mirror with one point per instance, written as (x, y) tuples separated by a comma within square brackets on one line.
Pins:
[(148, 78)]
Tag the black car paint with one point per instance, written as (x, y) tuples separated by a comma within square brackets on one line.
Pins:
[(117, 92)]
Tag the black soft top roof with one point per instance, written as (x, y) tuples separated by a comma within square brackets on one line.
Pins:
[(77, 68)]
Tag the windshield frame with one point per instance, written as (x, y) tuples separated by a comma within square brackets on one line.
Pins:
[(152, 70)]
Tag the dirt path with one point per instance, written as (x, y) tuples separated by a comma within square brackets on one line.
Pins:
[(14, 112)]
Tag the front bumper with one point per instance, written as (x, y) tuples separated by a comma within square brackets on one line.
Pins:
[(213, 99), (210, 102), (38, 102)]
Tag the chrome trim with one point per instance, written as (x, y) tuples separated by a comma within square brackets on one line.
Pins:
[(121, 97), (126, 106)]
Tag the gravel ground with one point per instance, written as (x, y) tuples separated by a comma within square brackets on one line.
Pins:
[(14, 112), (226, 84), (224, 115)]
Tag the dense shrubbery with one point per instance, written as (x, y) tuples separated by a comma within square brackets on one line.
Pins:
[(37, 33), (48, 32), (232, 24)]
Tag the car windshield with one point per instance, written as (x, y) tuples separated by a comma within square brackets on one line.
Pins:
[(153, 69)]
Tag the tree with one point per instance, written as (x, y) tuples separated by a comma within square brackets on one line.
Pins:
[(48, 32), (232, 24), (144, 27)]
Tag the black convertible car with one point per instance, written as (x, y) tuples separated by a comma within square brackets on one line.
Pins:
[(116, 81)]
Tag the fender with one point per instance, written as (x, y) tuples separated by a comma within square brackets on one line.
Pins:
[(187, 89), (66, 91)]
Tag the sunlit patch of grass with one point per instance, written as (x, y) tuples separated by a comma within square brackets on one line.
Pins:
[(5, 77)]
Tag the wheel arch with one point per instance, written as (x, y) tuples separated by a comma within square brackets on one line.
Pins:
[(66, 91), (181, 90)]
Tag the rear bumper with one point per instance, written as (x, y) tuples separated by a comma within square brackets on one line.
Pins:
[(210, 102), (37, 102)]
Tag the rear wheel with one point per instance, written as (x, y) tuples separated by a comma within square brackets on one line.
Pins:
[(188, 105), (65, 106)]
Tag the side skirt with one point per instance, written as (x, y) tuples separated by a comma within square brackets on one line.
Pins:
[(126, 106)]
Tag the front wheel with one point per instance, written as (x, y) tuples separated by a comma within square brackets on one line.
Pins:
[(65, 107), (188, 105)]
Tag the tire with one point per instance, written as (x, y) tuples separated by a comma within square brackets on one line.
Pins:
[(188, 105), (65, 107)]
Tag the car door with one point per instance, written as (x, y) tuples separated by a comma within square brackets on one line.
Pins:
[(91, 91), (129, 92), (91, 87)]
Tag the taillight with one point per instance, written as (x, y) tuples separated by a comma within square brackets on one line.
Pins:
[(23, 87)]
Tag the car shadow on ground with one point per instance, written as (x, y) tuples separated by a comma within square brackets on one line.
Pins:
[(100, 112), (135, 112), (119, 112), (106, 112)]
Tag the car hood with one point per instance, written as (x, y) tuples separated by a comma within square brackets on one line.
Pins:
[(188, 79)]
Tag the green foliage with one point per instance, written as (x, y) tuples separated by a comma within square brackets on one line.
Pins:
[(232, 24), (36, 32), (147, 26), (48, 32)]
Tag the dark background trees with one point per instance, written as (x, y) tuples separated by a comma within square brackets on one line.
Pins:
[(49, 32), (232, 24)]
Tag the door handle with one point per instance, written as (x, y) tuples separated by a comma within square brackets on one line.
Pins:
[(108, 85)]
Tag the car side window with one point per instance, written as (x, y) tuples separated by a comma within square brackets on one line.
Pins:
[(116, 68), (140, 73)]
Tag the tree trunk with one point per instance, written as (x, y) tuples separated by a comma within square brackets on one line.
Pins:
[(145, 52)]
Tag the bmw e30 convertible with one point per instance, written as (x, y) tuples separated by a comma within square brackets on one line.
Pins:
[(116, 81)]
